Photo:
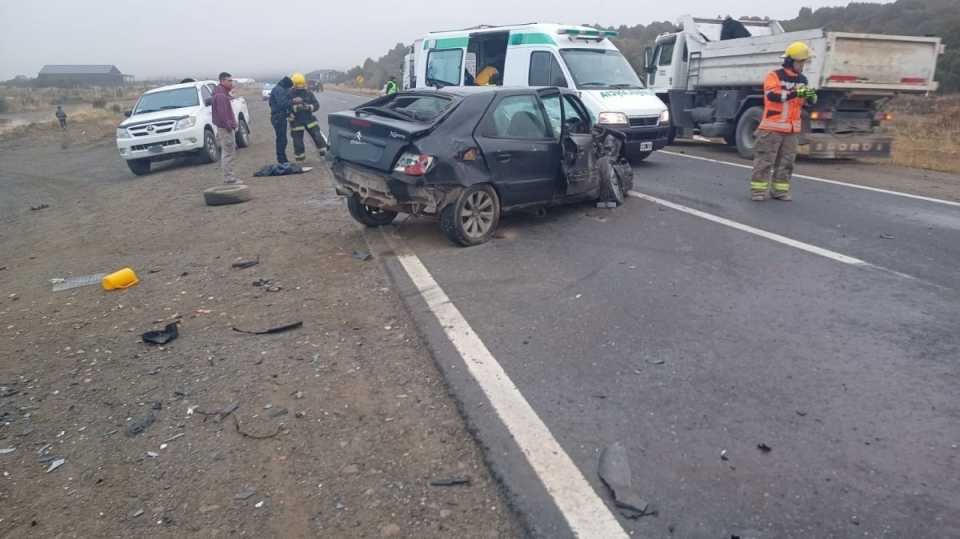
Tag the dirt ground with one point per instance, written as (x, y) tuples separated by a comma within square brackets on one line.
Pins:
[(335, 429)]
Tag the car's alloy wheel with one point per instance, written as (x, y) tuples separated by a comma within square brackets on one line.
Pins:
[(211, 153), (473, 218)]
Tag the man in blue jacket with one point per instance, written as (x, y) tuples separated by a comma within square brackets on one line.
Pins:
[(279, 110)]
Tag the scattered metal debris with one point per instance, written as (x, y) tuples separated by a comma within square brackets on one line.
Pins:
[(452, 482), (615, 474), (723, 455), (244, 264), (56, 464), (362, 256), (764, 447), (271, 331), (163, 336), (175, 437), (7, 450)]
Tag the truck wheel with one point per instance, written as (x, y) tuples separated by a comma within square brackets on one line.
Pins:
[(140, 167), (210, 152), (369, 215), (746, 137), (243, 134), (473, 217), (222, 195)]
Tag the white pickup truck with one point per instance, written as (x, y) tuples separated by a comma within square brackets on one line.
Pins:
[(176, 121)]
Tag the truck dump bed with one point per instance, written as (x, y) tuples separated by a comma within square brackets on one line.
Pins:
[(842, 61)]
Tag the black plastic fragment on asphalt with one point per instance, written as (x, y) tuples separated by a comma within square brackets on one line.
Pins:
[(139, 426), (362, 256), (764, 447), (40, 207), (615, 474), (452, 482), (162, 336), (244, 264), (278, 329)]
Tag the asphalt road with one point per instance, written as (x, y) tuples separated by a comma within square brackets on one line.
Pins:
[(683, 337)]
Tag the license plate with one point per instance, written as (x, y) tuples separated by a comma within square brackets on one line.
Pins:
[(155, 148), (646, 146)]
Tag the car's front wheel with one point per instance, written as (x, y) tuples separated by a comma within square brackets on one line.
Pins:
[(140, 167), (369, 215), (210, 152), (243, 134), (473, 217)]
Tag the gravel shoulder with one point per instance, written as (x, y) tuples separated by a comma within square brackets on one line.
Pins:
[(335, 429)]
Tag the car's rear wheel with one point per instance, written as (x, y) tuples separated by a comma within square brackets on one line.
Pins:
[(369, 215), (473, 217), (210, 152), (243, 134), (140, 167)]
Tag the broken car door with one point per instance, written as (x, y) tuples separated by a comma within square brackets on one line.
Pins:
[(571, 127)]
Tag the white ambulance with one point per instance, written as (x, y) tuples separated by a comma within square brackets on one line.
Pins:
[(546, 55)]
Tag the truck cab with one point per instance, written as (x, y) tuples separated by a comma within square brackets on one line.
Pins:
[(547, 55)]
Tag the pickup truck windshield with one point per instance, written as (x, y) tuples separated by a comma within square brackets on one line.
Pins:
[(168, 99), (597, 68)]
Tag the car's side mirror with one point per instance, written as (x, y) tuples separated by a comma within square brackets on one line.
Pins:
[(208, 101), (128, 113)]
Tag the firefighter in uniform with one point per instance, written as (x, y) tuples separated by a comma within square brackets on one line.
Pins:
[(785, 93), (302, 106)]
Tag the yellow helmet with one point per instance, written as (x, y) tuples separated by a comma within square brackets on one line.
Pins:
[(299, 81), (798, 50)]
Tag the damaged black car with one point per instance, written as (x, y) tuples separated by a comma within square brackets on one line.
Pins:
[(469, 155)]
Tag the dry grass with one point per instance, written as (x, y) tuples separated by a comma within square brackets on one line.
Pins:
[(82, 128), (35, 99), (927, 131)]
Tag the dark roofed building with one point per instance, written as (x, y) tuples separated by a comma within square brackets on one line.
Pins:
[(80, 75)]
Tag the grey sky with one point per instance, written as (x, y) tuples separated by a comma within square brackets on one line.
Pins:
[(179, 38)]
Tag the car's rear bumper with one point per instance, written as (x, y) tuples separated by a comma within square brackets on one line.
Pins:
[(386, 191)]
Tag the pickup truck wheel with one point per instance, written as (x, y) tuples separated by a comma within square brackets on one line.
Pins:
[(369, 215), (473, 217), (140, 167), (243, 134), (210, 152), (746, 137)]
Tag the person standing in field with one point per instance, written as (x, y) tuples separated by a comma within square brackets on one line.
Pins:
[(226, 124), (61, 117)]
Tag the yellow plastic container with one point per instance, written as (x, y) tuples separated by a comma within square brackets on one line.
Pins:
[(124, 278)]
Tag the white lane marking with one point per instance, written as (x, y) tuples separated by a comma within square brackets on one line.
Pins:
[(585, 512), (756, 231), (822, 180)]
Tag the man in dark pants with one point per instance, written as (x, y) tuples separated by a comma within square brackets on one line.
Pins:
[(61, 117), (302, 106), (279, 109)]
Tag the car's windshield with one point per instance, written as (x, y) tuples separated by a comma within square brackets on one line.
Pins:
[(167, 99), (598, 68), (423, 108)]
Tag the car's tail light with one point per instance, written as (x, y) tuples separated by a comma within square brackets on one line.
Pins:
[(413, 164), (821, 115), (883, 116)]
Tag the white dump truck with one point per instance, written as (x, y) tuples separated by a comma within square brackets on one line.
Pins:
[(710, 74)]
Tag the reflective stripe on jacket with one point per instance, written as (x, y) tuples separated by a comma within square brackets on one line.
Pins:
[(782, 109)]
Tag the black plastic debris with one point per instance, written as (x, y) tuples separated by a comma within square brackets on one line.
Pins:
[(163, 336), (40, 207), (764, 447), (452, 482), (362, 256), (271, 331), (140, 425), (282, 169), (615, 474), (244, 264)]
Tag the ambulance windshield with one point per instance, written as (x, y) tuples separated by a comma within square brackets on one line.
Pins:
[(599, 68)]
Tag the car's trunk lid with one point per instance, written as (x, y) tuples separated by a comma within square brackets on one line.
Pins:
[(371, 140)]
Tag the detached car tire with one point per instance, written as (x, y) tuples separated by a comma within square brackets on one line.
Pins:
[(473, 217), (210, 152), (222, 195), (369, 215), (140, 167), (610, 188), (243, 134)]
